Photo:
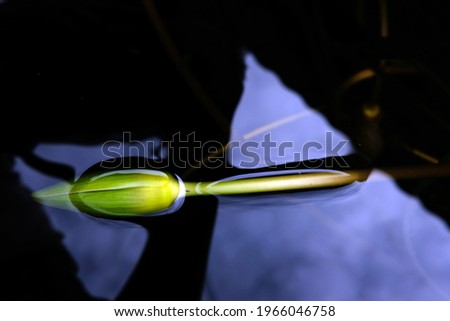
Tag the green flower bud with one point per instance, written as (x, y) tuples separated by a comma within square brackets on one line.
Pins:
[(133, 192)]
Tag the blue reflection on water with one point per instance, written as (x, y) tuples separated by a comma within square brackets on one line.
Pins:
[(105, 252), (375, 244)]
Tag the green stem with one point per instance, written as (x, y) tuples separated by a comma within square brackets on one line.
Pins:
[(267, 184)]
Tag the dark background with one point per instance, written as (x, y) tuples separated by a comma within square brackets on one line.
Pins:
[(85, 71)]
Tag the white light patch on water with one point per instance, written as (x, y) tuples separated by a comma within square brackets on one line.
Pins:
[(273, 124)]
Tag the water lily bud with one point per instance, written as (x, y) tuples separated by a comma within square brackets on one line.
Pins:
[(134, 192)]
